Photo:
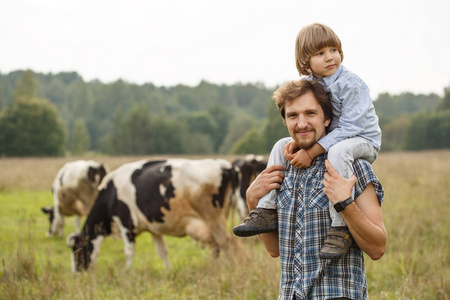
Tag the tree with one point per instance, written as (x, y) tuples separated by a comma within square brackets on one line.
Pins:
[(251, 143), (274, 128), (222, 116), (26, 86), (428, 131), (80, 138), (394, 133), (444, 104), (31, 128)]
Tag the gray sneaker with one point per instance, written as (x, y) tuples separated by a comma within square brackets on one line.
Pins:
[(260, 220), (336, 244)]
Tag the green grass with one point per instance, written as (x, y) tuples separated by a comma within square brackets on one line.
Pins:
[(416, 264), (34, 266)]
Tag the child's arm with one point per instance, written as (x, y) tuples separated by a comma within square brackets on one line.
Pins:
[(356, 111), (302, 158)]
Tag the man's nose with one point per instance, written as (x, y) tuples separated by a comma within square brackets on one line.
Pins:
[(302, 122)]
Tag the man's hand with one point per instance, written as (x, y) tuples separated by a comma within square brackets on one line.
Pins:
[(269, 179), (336, 187)]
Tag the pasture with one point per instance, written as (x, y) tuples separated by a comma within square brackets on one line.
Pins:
[(416, 264)]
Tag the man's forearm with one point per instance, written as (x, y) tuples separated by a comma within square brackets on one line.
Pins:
[(367, 226)]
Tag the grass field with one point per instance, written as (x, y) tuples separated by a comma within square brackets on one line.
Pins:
[(416, 264)]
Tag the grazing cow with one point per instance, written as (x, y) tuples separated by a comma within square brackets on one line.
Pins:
[(74, 189), (175, 197), (249, 167)]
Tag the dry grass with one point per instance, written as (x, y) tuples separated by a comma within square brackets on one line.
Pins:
[(39, 173), (416, 264)]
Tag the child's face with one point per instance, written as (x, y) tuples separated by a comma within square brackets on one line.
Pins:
[(325, 62)]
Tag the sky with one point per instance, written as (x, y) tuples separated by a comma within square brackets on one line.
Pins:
[(395, 46)]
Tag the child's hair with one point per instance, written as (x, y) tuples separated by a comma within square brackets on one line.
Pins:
[(311, 39)]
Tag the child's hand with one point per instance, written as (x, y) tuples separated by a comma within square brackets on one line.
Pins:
[(289, 149), (301, 159)]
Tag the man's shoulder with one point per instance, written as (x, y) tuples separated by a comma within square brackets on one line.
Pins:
[(365, 174), (362, 166)]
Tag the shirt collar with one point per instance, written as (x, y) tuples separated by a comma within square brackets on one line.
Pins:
[(330, 79)]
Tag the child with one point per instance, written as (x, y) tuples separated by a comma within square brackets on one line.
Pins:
[(353, 133)]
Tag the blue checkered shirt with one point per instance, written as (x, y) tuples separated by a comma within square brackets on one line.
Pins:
[(303, 220)]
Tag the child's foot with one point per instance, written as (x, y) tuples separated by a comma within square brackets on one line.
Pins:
[(260, 220), (336, 244)]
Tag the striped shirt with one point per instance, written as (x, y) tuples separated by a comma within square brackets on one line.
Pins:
[(303, 221)]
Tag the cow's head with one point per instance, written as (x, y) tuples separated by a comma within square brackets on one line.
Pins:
[(82, 249), (56, 227), (249, 167), (51, 216)]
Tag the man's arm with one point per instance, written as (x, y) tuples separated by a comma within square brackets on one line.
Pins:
[(363, 216), (266, 181)]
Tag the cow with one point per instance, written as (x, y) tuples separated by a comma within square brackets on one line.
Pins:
[(174, 197), (74, 190), (248, 168)]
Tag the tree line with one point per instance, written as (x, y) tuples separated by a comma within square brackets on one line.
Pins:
[(61, 114)]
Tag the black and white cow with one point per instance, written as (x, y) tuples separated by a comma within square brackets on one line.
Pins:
[(175, 197), (249, 167), (74, 189)]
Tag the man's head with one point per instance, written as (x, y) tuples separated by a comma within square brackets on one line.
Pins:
[(306, 110), (310, 40)]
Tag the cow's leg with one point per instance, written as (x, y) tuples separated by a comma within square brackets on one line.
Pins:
[(161, 248), (96, 243), (128, 242), (77, 223)]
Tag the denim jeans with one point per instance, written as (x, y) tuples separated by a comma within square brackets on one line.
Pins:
[(341, 156)]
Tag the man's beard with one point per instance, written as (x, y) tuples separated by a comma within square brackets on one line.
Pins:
[(306, 143)]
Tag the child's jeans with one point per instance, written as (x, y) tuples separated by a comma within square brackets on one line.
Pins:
[(276, 158), (341, 156)]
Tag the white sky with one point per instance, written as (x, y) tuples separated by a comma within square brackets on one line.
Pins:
[(394, 45)]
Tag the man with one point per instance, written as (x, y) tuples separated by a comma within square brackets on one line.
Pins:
[(302, 206)]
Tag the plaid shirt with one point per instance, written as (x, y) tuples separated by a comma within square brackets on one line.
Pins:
[(303, 221)]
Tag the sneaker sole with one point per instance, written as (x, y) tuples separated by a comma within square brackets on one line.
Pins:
[(244, 231), (331, 256)]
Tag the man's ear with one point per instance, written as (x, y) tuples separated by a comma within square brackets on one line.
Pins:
[(327, 122)]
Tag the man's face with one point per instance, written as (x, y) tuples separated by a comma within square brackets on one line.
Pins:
[(305, 120)]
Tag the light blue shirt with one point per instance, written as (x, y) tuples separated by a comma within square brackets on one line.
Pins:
[(353, 111)]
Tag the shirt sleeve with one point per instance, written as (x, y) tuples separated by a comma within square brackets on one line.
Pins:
[(365, 175), (353, 100)]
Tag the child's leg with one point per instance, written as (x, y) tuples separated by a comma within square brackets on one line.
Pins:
[(263, 218), (276, 157), (341, 156)]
